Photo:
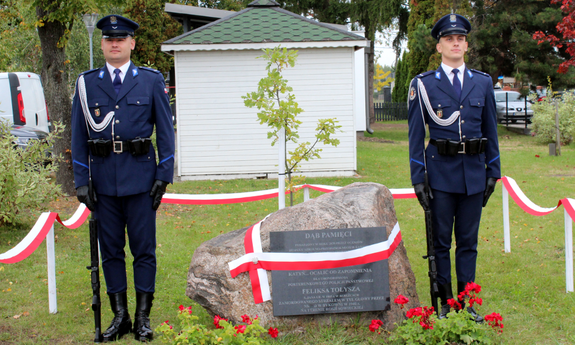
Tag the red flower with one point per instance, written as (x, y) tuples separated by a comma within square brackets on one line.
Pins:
[(475, 300), (375, 324), (240, 328), (454, 304), (217, 320), (182, 309), (414, 312), (422, 315), (494, 320), (473, 287), (401, 300), (537, 156), (462, 295), (246, 319), (273, 332)]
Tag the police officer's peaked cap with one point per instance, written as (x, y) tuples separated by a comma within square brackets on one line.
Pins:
[(115, 26), (451, 24)]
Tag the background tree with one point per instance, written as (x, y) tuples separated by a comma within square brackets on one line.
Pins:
[(399, 93), (423, 55), (501, 42), (156, 26), (381, 78), (20, 45), (55, 21), (549, 38)]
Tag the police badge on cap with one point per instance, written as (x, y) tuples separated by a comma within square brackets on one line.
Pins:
[(451, 24), (116, 26)]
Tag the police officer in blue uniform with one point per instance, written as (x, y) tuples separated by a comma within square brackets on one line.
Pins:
[(455, 174), (115, 110)]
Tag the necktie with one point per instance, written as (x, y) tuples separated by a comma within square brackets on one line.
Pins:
[(117, 81), (456, 83)]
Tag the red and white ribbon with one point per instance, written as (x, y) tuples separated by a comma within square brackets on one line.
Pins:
[(256, 262), (39, 231), (234, 198), (523, 201)]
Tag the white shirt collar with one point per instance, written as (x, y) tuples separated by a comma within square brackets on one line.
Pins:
[(449, 72), (124, 70)]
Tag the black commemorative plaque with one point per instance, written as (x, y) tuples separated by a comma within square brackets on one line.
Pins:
[(338, 290)]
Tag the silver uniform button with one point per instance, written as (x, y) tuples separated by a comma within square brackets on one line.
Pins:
[(97, 104), (117, 137), (461, 107), (464, 137), (138, 102), (117, 107), (117, 121), (462, 121)]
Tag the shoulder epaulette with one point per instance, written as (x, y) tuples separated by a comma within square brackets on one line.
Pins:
[(149, 69), (424, 74), (479, 72), (89, 71)]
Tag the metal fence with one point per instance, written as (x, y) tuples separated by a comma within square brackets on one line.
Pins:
[(390, 111)]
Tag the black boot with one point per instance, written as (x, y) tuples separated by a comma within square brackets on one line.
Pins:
[(121, 324), (142, 330), (445, 293), (474, 315)]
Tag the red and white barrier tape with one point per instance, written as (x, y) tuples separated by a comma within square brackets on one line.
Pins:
[(234, 198), (529, 206), (39, 231), (256, 262)]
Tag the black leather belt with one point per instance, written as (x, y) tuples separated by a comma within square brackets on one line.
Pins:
[(448, 147), (103, 147)]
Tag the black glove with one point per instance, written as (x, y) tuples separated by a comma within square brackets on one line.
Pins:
[(489, 188), (83, 195), (422, 195), (158, 190)]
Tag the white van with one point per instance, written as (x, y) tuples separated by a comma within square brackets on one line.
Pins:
[(22, 101)]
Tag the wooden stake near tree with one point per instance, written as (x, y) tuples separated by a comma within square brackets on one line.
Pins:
[(278, 110)]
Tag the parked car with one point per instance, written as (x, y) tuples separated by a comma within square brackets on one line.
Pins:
[(22, 101), (24, 135), (511, 107)]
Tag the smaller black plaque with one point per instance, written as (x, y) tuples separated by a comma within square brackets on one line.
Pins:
[(339, 290)]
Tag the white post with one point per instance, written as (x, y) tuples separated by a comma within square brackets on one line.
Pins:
[(568, 252), (305, 194), (506, 232), (281, 169), (52, 302)]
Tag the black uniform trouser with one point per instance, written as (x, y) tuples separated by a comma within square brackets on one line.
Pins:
[(460, 214), (115, 215)]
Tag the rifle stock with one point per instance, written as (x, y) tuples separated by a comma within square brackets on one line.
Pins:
[(95, 278), (433, 287)]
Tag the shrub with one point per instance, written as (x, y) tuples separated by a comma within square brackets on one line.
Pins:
[(544, 119), (25, 174), (192, 332)]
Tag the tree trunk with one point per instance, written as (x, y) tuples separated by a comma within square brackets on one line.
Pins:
[(55, 82)]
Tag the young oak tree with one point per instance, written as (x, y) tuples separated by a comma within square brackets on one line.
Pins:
[(278, 110)]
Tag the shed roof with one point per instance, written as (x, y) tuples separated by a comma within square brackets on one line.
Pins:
[(263, 21)]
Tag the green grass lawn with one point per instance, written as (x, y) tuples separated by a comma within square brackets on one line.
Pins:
[(526, 286)]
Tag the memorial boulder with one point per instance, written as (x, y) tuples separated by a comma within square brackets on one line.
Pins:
[(357, 206)]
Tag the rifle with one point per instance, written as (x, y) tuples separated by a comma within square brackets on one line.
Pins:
[(432, 273), (95, 277)]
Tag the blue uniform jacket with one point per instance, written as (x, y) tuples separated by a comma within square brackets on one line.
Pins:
[(141, 103), (463, 173)]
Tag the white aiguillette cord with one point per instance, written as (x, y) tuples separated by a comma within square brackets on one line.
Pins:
[(442, 122), (97, 127)]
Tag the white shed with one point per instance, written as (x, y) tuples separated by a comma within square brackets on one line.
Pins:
[(216, 64)]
